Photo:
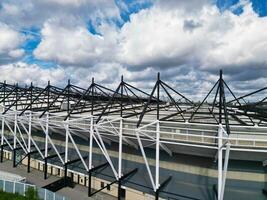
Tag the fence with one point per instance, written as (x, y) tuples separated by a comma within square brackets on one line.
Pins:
[(21, 188)]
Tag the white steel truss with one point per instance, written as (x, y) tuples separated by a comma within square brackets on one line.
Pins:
[(20, 128)]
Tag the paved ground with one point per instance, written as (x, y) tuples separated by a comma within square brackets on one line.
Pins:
[(36, 177)]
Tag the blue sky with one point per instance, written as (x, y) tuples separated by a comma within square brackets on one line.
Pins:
[(187, 41), (259, 6)]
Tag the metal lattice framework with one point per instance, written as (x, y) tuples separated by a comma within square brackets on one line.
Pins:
[(162, 120)]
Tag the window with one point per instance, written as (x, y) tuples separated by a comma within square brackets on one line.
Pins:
[(123, 193), (102, 184), (58, 171), (71, 175)]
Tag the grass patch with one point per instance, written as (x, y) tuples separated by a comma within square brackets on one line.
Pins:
[(30, 194)]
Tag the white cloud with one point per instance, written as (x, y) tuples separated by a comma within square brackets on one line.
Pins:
[(158, 38), (25, 74), (67, 44), (186, 6), (207, 40), (16, 53), (243, 45), (67, 2), (10, 41), (187, 40), (28, 13)]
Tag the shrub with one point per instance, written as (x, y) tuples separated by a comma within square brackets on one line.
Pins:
[(9, 196), (32, 194)]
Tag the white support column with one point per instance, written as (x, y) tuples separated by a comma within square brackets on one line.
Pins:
[(14, 187), (45, 194), (32, 140), (91, 142), (21, 135), (15, 137), (102, 147), (3, 130), (15, 130), (46, 134), (4, 185), (225, 168), (51, 142), (30, 132), (157, 154), (220, 134), (24, 189), (76, 148), (66, 141), (145, 160), (120, 150)]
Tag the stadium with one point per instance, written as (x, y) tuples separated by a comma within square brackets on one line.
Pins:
[(133, 144)]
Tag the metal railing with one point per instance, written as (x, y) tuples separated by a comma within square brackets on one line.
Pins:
[(21, 188)]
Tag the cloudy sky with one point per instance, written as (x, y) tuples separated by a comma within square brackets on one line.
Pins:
[(188, 41)]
